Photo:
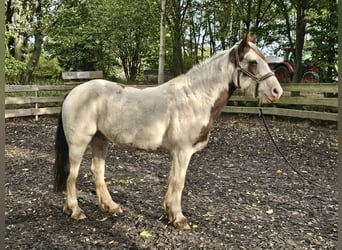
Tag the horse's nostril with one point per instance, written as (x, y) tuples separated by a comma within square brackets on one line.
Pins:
[(275, 92)]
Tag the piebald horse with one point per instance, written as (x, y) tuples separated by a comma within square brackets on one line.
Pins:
[(177, 116)]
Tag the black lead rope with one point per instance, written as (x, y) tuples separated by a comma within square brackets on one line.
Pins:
[(284, 157)]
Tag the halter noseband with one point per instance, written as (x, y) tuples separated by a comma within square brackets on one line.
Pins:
[(249, 74)]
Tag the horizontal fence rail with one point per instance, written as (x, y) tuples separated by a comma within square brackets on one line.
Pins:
[(304, 100), (311, 101), (31, 100)]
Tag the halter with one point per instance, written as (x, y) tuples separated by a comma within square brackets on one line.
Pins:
[(249, 74)]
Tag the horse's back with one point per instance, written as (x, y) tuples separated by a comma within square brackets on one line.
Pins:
[(124, 115)]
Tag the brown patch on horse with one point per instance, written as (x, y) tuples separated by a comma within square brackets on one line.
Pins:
[(121, 85), (100, 136), (131, 86), (252, 67), (216, 110), (243, 48)]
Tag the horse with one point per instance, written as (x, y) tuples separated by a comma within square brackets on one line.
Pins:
[(176, 116)]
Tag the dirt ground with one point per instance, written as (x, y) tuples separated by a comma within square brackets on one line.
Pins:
[(239, 193)]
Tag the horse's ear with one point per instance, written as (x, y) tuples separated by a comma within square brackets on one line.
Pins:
[(243, 48), (244, 41), (251, 37)]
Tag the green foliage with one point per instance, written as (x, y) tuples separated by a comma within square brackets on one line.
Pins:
[(47, 68), (323, 30), (101, 35), (72, 37), (13, 69), (123, 35)]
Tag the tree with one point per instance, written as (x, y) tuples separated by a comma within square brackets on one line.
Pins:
[(162, 43), (322, 28), (38, 36), (177, 10), (25, 21), (134, 33), (111, 34), (97, 34), (302, 6), (77, 35)]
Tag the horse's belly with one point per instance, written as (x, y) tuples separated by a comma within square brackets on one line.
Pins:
[(149, 138)]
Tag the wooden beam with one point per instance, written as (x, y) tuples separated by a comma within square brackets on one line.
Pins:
[(311, 87), (283, 112), (299, 100), (82, 75), (28, 88), (10, 113), (32, 100)]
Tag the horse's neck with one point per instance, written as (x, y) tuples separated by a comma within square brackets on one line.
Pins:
[(213, 76)]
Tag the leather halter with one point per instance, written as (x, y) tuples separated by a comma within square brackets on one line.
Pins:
[(249, 74)]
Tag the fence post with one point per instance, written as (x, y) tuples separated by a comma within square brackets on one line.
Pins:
[(36, 102)]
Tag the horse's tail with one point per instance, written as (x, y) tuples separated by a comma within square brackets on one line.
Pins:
[(61, 166)]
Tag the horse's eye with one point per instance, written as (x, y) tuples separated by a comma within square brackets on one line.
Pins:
[(253, 62)]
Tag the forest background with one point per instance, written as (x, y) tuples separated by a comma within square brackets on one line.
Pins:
[(122, 37)]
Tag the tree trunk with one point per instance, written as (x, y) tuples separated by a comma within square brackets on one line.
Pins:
[(177, 12), (19, 38), (33, 62), (162, 44), (37, 48), (212, 43), (177, 52), (177, 47), (300, 35)]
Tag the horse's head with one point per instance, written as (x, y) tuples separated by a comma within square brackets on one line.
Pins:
[(252, 73)]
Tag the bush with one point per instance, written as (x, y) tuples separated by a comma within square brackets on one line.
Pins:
[(47, 68), (13, 69)]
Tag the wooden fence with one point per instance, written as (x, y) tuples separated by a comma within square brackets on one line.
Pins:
[(304, 100), (33, 100), (311, 101)]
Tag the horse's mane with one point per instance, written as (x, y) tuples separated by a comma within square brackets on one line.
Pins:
[(207, 61), (257, 50), (210, 70)]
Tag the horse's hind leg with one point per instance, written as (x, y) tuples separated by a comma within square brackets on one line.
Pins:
[(99, 147), (71, 205)]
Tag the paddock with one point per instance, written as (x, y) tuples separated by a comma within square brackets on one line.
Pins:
[(239, 193)]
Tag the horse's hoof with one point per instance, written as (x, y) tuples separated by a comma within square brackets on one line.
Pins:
[(181, 224), (113, 209), (78, 215), (116, 210), (66, 210)]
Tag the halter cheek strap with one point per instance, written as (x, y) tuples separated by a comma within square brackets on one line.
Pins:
[(249, 74)]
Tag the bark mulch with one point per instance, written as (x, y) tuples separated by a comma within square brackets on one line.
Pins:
[(239, 193)]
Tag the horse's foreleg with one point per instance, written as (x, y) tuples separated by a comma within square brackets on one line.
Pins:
[(99, 148), (172, 201), (71, 205)]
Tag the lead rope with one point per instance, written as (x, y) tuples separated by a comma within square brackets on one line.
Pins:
[(261, 114)]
